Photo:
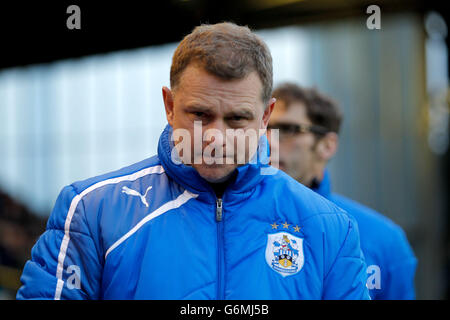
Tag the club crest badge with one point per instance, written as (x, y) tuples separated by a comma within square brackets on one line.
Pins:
[(284, 253)]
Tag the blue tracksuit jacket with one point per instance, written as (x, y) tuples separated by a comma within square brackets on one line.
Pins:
[(391, 262), (156, 230)]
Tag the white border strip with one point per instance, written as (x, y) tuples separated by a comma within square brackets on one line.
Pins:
[(73, 206), (183, 198)]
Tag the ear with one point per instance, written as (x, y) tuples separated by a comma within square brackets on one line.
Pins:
[(267, 113), (327, 146), (168, 104)]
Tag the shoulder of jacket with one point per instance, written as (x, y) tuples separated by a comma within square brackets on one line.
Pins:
[(299, 199), (368, 218), (131, 172), (372, 223), (72, 195)]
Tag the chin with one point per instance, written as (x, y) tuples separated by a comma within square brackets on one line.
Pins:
[(215, 173)]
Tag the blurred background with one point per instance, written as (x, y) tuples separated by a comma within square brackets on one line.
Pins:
[(78, 103)]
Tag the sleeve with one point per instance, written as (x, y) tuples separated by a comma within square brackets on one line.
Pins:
[(346, 278), (397, 280), (65, 262)]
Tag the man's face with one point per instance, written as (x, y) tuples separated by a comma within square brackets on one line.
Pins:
[(297, 152), (220, 105)]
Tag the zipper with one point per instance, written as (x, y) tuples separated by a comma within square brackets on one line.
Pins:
[(219, 210), (220, 257)]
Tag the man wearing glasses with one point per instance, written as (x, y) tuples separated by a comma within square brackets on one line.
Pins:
[(308, 124)]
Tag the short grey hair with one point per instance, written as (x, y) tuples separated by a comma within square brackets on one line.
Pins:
[(226, 50)]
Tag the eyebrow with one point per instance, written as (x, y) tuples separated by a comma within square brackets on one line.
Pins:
[(283, 123), (196, 107), (241, 112)]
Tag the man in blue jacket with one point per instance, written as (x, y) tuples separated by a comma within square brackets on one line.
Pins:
[(201, 220), (308, 124)]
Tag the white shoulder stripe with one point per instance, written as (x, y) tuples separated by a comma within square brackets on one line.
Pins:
[(183, 198), (73, 206)]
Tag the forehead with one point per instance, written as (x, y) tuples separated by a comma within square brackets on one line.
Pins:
[(294, 113), (199, 86)]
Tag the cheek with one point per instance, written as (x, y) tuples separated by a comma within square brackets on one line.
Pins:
[(181, 121), (256, 123), (293, 146), (178, 117), (304, 143), (298, 150)]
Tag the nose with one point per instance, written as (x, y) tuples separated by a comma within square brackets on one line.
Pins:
[(218, 124), (215, 133)]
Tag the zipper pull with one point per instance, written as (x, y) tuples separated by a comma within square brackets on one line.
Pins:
[(219, 210)]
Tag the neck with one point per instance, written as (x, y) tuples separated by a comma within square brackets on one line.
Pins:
[(315, 179), (314, 184), (220, 187)]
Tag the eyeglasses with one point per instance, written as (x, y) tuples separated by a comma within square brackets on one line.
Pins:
[(290, 130)]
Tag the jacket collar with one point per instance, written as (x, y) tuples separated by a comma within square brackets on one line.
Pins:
[(324, 187), (246, 178)]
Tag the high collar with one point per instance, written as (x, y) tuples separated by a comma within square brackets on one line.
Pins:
[(324, 187), (246, 178)]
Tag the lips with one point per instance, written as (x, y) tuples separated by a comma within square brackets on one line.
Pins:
[(213, 161)]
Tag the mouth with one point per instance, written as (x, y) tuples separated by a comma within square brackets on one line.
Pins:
[(211, 162), (216, 159)]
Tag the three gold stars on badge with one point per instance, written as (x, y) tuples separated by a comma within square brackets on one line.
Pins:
[(285, 226)]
